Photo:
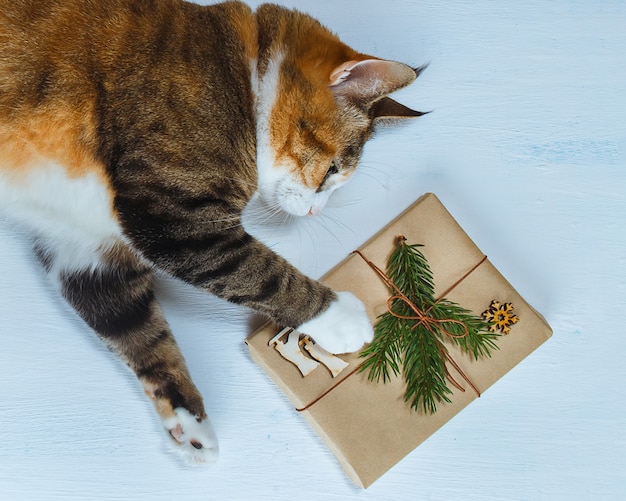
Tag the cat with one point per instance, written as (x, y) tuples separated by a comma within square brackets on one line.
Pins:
[(132, 135)]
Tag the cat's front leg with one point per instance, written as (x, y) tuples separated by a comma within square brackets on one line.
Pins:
[(112, 291), (223, 258)]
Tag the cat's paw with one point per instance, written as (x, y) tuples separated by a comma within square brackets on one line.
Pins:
[(193, 439), (343, 327)]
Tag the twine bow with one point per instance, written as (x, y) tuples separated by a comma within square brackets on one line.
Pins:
[(423, 318)]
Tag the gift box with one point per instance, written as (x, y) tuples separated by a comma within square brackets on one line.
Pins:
[(368, 425)]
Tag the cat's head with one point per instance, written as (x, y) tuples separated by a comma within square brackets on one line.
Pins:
[(318, 101)]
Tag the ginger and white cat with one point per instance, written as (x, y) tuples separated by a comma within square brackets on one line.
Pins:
[(132, 135)]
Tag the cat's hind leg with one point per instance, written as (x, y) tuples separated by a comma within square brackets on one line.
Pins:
[(115, 297)]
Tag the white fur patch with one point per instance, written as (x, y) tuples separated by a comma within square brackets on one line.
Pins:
[(185, 431), (71, 217), (266, 93), (254, 78), (344, 327)]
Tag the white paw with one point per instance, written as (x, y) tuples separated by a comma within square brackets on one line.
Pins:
[(343, 327), (194, 440)]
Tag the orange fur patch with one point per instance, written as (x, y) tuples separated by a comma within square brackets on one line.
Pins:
[(242, 19), (56, 134), (162, 405), (304, 137)]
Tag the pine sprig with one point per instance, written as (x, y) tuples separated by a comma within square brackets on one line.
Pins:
[(416, 348), (425, 373), (384, 353), (402, 267)]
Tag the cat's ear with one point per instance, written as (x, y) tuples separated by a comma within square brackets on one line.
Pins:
[(387, 108), (369, 80)]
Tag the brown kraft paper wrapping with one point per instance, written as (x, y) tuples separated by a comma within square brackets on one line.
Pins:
[(368, 426)]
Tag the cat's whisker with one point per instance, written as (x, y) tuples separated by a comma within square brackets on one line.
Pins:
[(348, 202), (224, 219), (366, 170), (287, 219), (236, 220), (313, 237), (239, 180), (338, 222), (265, 215), (325, 219), (276, 214), (299, 233), (257, 208)]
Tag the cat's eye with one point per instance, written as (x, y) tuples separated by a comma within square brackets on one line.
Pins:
[(333, 169)]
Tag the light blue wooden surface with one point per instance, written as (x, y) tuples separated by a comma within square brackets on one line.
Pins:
[(526, 148)]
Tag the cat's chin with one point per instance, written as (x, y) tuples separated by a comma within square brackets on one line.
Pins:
[(294, 211), (304, 204), (287, 206), (281, 191)]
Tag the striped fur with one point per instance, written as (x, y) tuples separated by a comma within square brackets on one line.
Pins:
[(134, 132)]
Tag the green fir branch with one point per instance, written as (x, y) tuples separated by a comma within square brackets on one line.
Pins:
[(478, 341), (408, 269), (425, 372), (403, 344), (384, 352)]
